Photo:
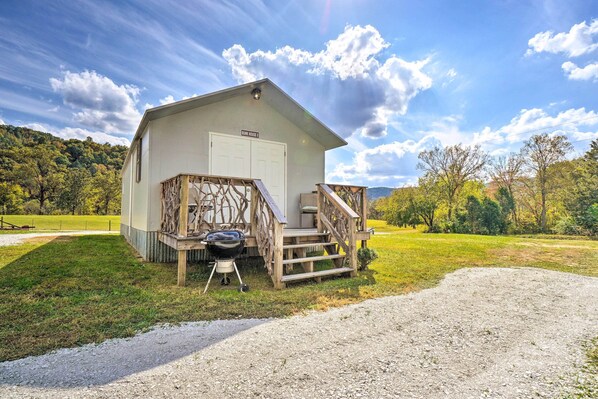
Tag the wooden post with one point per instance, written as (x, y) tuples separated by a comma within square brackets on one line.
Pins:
[(353, 247), (253, 210), (278, 256), (319, 199), (364, 215), (182, 272), (183, 220), (184, 208)]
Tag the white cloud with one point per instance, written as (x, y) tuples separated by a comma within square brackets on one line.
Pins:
[(167, 100), (534, 121), (80, 134), (395, 163), (572, 123), (578, 41), (98, 137), (348, 84), (2, 122), (100, 103), (574, 72), (449, 77), (447, 131), (392, 164)]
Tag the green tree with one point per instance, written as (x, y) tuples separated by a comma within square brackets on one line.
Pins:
[(40, 171), (483, 217), (75, 190), (398, 208), (541, 152), (474, 214), (106, 191), (424, 201), (11, 198), (506, 174), (581, 200), (452, 167), (491, 220), (505, 199)]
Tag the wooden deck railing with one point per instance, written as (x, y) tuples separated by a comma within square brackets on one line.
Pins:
[(338, 219), (356, 198), (267, 223), (215, 202)]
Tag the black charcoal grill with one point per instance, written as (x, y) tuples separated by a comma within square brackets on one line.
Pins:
[(225, 246)]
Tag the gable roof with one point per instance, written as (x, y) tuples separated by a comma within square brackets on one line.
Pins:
[(271, 94)]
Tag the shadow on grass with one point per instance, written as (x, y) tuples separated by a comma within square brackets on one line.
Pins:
[(74, 291)]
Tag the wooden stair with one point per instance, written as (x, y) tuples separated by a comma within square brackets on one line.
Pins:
[(295, 249), (304, 276), (311, 259)]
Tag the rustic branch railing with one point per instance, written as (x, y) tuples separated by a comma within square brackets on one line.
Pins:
[(356, 198), (338, 219), (218, 201), (267, 225), (215, 202), (171, 203)]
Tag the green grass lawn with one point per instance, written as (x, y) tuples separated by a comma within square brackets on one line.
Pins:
[(64, 222), (75, 290)]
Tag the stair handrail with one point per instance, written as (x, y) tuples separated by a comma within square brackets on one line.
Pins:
[(267, 224), (356, 198), (336, 217)]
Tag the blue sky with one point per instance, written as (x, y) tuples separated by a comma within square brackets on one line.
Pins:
[(391, 77)]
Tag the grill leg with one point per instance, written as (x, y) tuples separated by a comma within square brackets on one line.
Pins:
[(238, 275), (210, 279)]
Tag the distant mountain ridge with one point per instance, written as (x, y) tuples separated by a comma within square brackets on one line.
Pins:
[(379, 192)]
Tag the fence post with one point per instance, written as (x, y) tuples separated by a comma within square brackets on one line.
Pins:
[(60, 228), (109, 225)]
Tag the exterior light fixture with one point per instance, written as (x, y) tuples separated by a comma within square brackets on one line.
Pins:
[(256, 93)]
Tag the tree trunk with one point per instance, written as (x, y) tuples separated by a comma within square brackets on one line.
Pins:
[(42, 200), (543, 214)]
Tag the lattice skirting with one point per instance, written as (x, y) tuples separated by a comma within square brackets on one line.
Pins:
[(150, 249)]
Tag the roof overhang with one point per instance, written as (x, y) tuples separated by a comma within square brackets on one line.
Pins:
[(273, 95)]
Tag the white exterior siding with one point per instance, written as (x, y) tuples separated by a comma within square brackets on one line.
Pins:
[(135, 201), (179, 144)]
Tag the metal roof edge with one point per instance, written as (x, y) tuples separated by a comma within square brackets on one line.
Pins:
[(188, 104)]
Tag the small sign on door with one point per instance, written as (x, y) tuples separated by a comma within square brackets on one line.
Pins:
[(249, 133)]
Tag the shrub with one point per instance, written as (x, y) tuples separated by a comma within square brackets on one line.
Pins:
[(365, 256), (567, 226)]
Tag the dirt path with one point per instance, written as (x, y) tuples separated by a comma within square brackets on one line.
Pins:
[(497, 333), (15, 239)]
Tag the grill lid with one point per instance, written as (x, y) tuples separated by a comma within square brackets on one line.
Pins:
[(225, 243), (225, 235)]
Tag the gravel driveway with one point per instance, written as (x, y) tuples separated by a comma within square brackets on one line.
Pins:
[(497, 333), (14, 239)]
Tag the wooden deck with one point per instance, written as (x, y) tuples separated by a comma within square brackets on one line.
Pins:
[(195, 242), (192, 205)]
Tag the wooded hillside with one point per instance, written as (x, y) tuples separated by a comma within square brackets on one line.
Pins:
[(44, 174), (464, 190)]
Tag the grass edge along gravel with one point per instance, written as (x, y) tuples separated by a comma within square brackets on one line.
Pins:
[(77, 290), (62, 222)]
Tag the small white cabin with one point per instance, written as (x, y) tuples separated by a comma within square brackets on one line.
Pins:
[(224, 145)]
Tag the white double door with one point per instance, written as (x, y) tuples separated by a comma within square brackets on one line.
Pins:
[(251, 158)]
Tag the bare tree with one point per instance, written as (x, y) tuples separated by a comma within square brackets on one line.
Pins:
[(542, 151), (453, 166), (506, 173)]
